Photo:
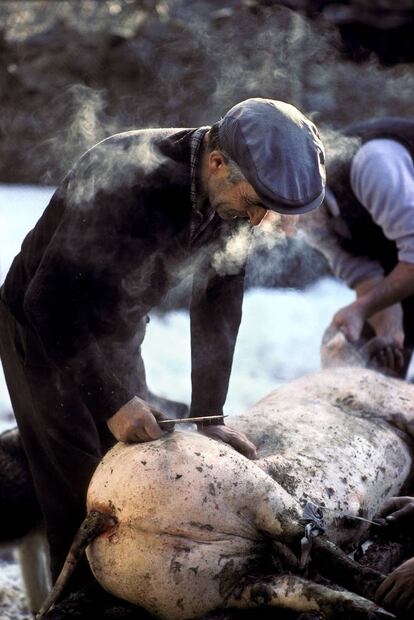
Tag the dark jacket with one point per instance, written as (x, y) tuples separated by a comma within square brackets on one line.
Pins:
[(112, 241)]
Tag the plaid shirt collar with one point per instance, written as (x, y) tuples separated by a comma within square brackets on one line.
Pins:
[(203, 212)]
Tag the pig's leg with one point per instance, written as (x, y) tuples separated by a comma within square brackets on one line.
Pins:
[(297, 594), (330, 561), (277, 518)]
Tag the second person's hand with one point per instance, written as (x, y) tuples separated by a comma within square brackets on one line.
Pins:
[(350, 321), (385, 353), (396, 592)]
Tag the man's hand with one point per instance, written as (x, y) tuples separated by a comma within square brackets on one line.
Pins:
[(134, 422), (385, 353), (389, 322), (397, 590), (398, 510), (236, 439), (350, 321), (392, 289)]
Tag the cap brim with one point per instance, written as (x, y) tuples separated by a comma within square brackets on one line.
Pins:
[(294, 209)]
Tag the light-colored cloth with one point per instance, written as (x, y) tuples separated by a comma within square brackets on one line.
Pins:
[(382, 178)]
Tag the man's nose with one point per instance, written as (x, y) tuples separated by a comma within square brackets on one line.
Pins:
[(256, 216)]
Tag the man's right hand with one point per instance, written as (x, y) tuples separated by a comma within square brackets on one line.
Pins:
[(134, 422)]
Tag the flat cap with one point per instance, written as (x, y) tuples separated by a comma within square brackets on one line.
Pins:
[(279, 152)]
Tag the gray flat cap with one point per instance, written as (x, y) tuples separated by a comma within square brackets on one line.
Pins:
[(279, 152)]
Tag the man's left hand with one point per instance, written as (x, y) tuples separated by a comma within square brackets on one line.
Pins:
[(396, 592), (234, 438), (350, 321)]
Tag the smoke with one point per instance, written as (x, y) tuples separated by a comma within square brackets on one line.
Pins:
[(231, 258), (112, 165), (86, 124), (186, 67), (253, 53), (274, 258), (279, 260), (339, 148), (83, 123), (175, 63)]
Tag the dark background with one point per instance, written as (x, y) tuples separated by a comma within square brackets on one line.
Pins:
[(73, 72)]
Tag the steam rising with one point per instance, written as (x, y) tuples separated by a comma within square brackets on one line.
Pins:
[(109, 166), (339, 148), (85, 123), (230, 260), (192, 64)]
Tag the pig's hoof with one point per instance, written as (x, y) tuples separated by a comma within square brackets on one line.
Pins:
[(261, 594), (381, 614)]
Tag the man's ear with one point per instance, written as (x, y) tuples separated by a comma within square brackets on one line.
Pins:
[(217, 161)]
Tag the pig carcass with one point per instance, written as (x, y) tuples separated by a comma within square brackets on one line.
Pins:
[(189, 520)]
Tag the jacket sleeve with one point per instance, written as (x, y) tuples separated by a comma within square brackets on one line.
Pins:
[(382, 178), (319, 233), (216, 310), (77, 284)]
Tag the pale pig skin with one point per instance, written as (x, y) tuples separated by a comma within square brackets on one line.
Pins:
[(326, 437), (193, 515)]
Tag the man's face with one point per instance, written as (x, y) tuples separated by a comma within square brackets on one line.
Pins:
[(229, 199), (236, 200), (232, 200)]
